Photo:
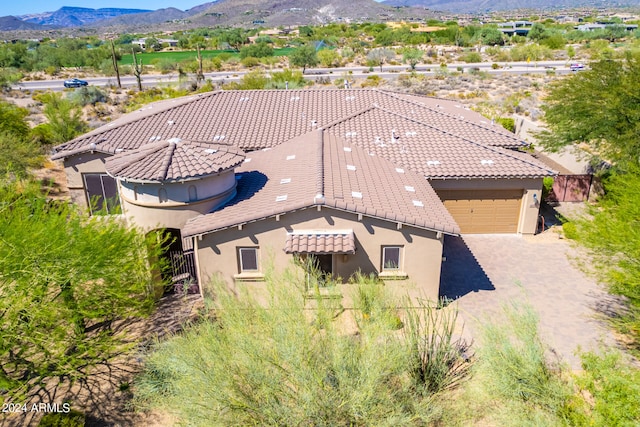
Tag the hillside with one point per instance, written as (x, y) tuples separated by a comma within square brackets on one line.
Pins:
[(480, 6), (76, 16)]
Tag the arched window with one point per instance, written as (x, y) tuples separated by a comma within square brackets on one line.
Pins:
[(162, 195), (193, 193)]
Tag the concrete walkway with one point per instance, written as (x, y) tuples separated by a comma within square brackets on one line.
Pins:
[(483, 272)]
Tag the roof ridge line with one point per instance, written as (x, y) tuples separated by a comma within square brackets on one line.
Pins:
[(166, 162), (320, 166), (399, 97), (349, 117)]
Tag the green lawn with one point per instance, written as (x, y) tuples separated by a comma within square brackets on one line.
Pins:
[(187, 55)]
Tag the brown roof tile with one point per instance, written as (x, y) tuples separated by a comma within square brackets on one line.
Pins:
[(319, 168), (429, 150), (254, 120), (173, 160), (312, 242)]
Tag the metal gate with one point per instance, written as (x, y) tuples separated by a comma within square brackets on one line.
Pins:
[(183, 271)]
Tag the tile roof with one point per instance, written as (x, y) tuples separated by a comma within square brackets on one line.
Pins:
[(430, 151), (254, 120), (313, 242), (320, 168), (173, 160)]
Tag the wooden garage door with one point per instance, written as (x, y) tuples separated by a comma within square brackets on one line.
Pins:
[(484, 211)]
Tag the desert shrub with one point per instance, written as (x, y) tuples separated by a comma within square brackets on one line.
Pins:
[(280, 363), (72, 418), (279, 79), (87, 95), (507, 122), (249, 62), (472, 57)]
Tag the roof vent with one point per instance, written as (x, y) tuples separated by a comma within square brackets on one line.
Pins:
[(319, 198), (314, 123), (218, 137), (350, 134), (418, 203), (247, 160), (411, 133), (350, 98), (170, 122), (410, 188), (155, 138), (119, 150), (174, 140), (486, 162), (351, 167), (347, 149), (291, 157), (281, 198), (210, 151), (356, 195), (433, 162), (244, 99), (295, 98), (399, 170), (285, 180), (92, 146)]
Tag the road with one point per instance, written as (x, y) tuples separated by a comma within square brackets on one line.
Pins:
[(388, 72)]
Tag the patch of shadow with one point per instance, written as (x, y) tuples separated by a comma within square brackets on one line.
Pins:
[(461, 274)]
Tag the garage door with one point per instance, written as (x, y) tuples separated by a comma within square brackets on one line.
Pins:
[(484, 211)]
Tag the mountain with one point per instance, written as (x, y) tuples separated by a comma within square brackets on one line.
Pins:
[(77, 16), (11, 23), (300, 12), (481, 6)]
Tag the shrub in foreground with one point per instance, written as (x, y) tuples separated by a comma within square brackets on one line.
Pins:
[(281, 363)]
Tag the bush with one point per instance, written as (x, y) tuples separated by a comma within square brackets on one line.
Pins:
[(507, 122), (250, 62), (280, 363), (72, 418)]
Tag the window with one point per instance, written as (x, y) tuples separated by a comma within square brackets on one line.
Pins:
[(248, 258), (391, 258), (102, 193)]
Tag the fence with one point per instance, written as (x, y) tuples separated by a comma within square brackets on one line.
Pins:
[(183, 271), (571, 188)]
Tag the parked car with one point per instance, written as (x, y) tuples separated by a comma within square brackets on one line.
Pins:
[(75, 83), (576, 67)]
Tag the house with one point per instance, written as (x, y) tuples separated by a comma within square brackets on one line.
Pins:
[(360, 179)]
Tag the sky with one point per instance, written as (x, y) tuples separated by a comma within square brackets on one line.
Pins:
[(26, 7)]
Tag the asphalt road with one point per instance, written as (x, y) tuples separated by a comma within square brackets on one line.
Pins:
[(388, 72)]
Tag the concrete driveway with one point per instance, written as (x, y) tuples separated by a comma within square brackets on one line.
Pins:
[(483, 272)]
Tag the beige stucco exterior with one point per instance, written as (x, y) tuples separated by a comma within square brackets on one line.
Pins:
[(142, 205), (421, 256), (529, 207), (75, 166)]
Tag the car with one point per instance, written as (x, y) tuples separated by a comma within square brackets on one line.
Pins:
[(576, 67), (75, 83)]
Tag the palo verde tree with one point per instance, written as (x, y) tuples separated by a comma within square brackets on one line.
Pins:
[(599, 107), (304, 56), (64, 280)]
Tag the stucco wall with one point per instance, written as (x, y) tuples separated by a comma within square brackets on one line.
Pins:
[(75, 166), (170, 214), (529, 209), (147, 193), (421, 255)]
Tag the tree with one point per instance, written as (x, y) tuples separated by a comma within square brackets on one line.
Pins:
[(257, 50), (598, 107), (64, 117), (152, 44), (64, 280), (491, 36), (537, 32), (379, 56), (412, 56), (235, 37), (304, 56), (329, 58)]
